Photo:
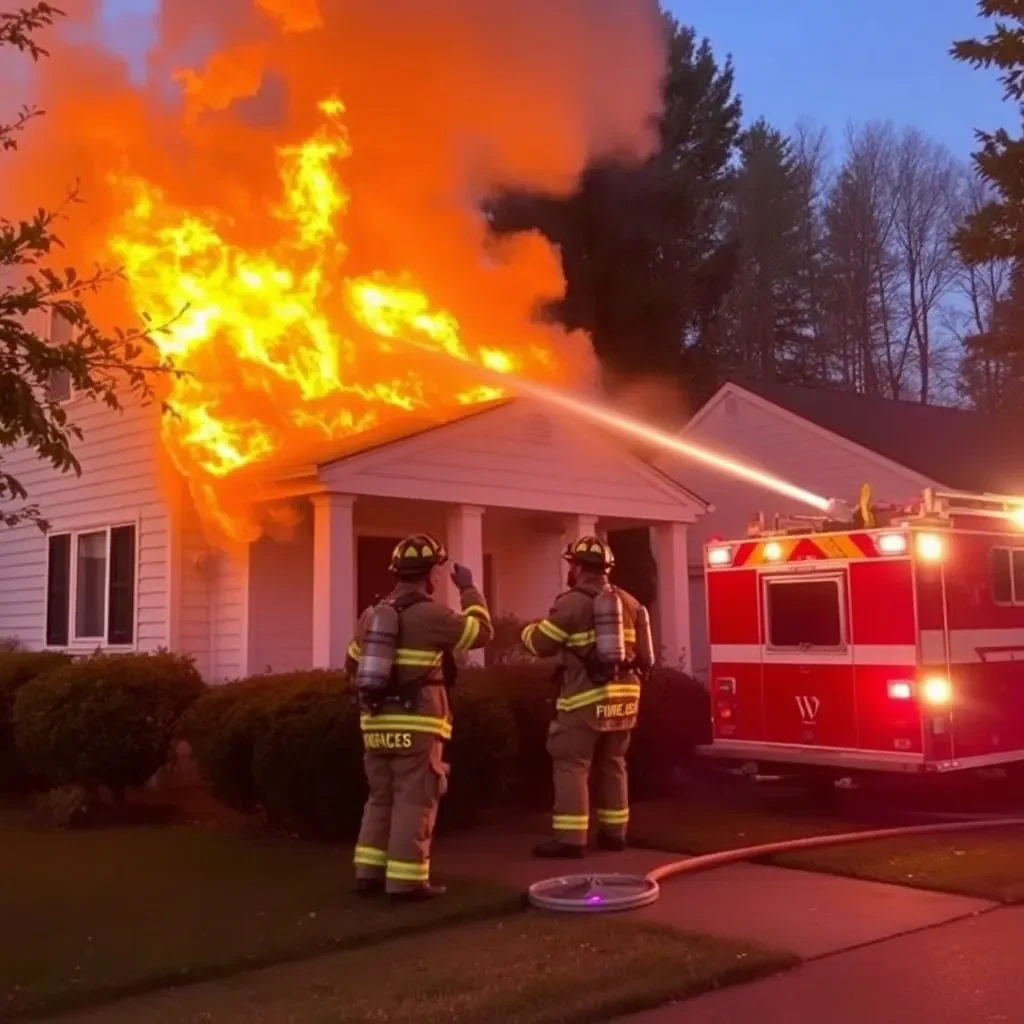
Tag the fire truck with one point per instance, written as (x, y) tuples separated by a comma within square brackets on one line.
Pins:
[(877, 639)]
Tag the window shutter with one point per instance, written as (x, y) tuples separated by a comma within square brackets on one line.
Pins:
[(121, 605), (58, 591)]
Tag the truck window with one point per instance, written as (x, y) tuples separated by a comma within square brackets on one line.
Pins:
[(1007, 565), (804, 612)]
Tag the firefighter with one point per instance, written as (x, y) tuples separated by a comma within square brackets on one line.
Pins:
[(602, 638), (402, 661)]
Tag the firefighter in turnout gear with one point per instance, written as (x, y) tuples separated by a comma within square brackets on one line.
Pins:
[(402, 661), (602, 638)]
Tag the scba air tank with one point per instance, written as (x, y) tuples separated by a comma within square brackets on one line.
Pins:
[(610, 639), (377, 658), (644, 645)]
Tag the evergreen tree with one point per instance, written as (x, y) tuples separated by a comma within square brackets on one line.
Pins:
[(767, 323), (644, 249), (996, 230)]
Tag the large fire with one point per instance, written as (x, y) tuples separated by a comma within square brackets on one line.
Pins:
[(294, 187), (279, 352)]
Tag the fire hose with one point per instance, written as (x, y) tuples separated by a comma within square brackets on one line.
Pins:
[(598, 893)]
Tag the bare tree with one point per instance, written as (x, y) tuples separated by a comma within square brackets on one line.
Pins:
[(872, 343), (923, 187)]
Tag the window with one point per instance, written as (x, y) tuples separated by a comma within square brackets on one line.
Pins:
[(1007, 565), (90, 590), (804, 612), (61, 332)]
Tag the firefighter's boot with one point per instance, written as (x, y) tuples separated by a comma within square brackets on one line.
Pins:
[(419, 894), (555, 849), (611, 844), (369, 886)]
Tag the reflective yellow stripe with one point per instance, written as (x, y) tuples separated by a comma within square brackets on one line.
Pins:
[(408, 871), (354, 651), (570, 822), (613, 817), (581, 639), (370, 857), (406, 723), (527, 637), (614, 691), (418, 658), (478, 610), (551, 631), (629, 635), (470, 631)]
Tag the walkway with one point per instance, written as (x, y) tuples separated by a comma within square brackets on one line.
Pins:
[(808, 914), (967, 972)]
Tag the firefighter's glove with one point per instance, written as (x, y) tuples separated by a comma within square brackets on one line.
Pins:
[(462, 577)]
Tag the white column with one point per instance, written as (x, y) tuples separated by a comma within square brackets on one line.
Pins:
[(578, 526), (334, 578), (465, 543), (673, 603)]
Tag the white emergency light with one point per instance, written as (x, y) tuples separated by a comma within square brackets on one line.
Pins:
[(929, 547), (892, 543), (773, 551), (900, 689), (936, 690), (1018, 517), (720, 556)]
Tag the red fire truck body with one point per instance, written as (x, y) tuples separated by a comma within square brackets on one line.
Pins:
[(895, 647)]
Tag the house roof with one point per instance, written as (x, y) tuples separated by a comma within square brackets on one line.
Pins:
[(401, 428), (959, 448)]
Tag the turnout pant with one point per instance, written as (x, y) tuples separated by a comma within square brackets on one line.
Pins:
[(398, 820), (574, 746)]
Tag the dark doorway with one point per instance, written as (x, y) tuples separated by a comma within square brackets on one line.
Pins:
[(373, 580)]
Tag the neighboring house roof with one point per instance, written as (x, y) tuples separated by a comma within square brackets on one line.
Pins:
[(959, 448)]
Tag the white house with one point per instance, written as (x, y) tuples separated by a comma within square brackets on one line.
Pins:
[(125, 565), (831, 443)]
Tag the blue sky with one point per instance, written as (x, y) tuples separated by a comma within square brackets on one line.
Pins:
[(835, 61)]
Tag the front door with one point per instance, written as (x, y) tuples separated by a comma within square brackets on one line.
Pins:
[(373, 580)]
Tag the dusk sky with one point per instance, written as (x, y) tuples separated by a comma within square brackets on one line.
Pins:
[(833, 62)]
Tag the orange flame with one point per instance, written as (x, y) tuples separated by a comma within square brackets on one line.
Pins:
[(274, 351)]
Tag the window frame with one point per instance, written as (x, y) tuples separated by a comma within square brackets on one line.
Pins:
[(837, 578), (1016, 600), (75, 642), (72, 391)]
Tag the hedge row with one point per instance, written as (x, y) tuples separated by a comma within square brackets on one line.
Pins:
[(102, 721), (288, 746)]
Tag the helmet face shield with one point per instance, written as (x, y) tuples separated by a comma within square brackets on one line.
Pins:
[(416, 555), (590, 554)]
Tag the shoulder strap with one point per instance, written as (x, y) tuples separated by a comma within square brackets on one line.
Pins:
[(406, 601)]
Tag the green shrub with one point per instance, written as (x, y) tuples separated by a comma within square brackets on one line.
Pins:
[(307, 757), (107, 720), (288, 746), (675, 716), (16, 669), (221, 729)]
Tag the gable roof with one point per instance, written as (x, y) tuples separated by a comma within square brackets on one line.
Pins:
[(961, 449)]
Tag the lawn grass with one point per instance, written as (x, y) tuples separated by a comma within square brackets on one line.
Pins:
[(91, 914), (529, 969), (988, 865), (703, 825)]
